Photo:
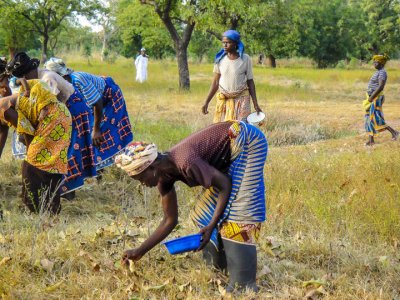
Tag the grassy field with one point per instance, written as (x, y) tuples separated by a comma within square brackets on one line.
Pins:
[(333, 228)]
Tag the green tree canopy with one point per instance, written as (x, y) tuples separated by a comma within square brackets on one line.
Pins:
[(46, 16)]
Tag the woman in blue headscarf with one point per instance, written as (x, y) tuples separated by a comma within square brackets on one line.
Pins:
[(233, 77)]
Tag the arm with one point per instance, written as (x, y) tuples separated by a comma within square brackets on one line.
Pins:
[(25, 85), (98, 115), (168, 223), (223, 183), (213, 89), (252, 91), (7, 109), (3, 136), (378, 90)]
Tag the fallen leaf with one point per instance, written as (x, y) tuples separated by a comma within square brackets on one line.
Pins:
[(269, 251), (5, 260), (315, 293), (314, 282), (347, 181), (83, 253), (62, 235), (115, 241), (265, 271), (47, 264), (221, 290), (131, 266), (137, 221), (156, 287), (268, 295), (96, 267), (55, 286), (117, 264), (130, 234), (100, 232), (133, 287), (183, 286), (109, 264), (384, 260)]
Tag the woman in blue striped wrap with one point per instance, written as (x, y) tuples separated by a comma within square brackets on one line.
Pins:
[(227, 159), (112, 129), (373, 104)]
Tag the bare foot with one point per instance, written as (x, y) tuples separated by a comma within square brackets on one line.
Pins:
[(395, 136)]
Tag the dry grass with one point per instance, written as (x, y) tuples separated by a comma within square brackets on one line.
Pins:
[(333, 205)]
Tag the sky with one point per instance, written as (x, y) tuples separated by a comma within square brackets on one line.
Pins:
[(84, 22)]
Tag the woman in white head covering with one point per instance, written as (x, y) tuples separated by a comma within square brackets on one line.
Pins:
[(227, 159), (141, 63)]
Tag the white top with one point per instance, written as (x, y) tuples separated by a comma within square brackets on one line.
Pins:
[(141, 68), (234, 73), (58, 85)]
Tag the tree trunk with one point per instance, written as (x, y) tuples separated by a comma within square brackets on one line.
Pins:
[(12, 51), (272, 61), (181, 42), (261, 59), (44, 48), (104, 48), (183, 67)]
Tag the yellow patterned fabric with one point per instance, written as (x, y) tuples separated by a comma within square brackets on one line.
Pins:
[(366, 104), (241, 233), (29, 108), (224, 105), (232, 106), (49, 122), (49, 147)]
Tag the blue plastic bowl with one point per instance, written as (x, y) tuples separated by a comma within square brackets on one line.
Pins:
[(183, 244)]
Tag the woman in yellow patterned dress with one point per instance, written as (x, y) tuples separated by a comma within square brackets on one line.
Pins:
[(45, 124)]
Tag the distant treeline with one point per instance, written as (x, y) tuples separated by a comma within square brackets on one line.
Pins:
[(326, 31)]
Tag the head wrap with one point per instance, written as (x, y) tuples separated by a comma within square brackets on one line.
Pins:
[(233, 35), (57, 65), (143, 49), (22, 64), (136, 157), (381, 58)]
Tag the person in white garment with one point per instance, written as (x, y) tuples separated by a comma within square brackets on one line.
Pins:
[(141, 63)]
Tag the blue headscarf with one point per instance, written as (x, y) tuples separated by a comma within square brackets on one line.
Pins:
[(233, 35)]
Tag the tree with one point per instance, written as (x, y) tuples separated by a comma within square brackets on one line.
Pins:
[(269, 28), (178, 17), (74, 37), (200, 44), (382, 22), (139, 26), (13, 32), (106, 18), (320, 30), (46, 16)]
